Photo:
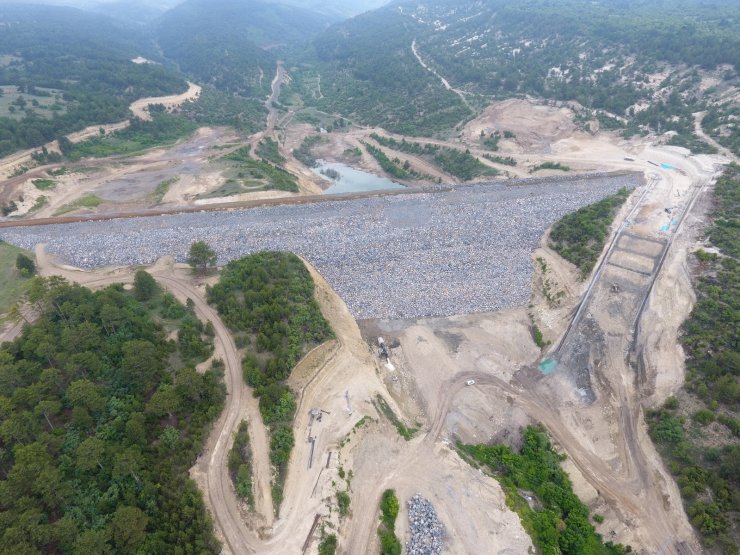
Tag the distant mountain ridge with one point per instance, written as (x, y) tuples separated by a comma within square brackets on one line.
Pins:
[(231, 44)]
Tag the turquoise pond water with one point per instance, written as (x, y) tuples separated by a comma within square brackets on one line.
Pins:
[(548, 366), (351, 180)]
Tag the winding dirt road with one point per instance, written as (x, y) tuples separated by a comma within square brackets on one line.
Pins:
[(699, 130), (139, 107), (211, 469), (445, 82)]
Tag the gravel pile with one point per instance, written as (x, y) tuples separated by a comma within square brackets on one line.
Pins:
[(402, 256), (427, 532)]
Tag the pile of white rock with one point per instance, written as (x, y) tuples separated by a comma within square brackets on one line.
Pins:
[(427, 532)]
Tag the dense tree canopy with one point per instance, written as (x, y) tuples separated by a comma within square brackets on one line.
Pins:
[(98, 429), (707, 465), (268, 300)]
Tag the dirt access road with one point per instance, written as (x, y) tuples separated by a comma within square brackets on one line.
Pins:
[(211, 469), (325, 378), (611, 459)]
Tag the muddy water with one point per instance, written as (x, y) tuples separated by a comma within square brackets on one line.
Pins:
[(351, 180)]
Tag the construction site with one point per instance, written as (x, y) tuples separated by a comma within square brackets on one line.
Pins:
[(452, 278)]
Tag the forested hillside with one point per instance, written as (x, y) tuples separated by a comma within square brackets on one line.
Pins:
[(62, 69), (233, 45), (100, 418), (609, 57), (369, 73)]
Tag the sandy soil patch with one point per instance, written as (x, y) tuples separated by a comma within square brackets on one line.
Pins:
[(535, 126)]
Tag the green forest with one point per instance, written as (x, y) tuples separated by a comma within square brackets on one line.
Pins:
[(100, 419), (697, 431), (268, 300), (84, 56), (598, 54), (559, 521)]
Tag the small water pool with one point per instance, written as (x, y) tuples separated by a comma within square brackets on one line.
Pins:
[(349, 180), (548, 365)]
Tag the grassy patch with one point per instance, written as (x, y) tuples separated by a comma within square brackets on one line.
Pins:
[(550, 166), (404, 431), (38, 204), (88, 201), (163, 130), (555, 519), (44, 184), (13, 285), (163, 188), (579, 237), (232, 187), (271, 176)]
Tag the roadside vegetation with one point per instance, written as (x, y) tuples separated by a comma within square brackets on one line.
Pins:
[(240, 465), (505, 160), (163, 188), (458, 163), (556, 520), (550, 166), (86, 201), (579, 237), (268, 151), (404, 431), (462, 164), (394, 167), (268, 300), (389, 507), (697, 431), (328, 544), (101, 421)]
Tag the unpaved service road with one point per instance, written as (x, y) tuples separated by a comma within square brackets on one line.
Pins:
[(435, 253)]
